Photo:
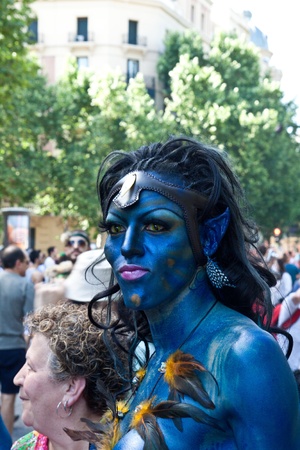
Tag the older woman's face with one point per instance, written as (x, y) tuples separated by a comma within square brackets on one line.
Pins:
[(149, 250), (39, 394)]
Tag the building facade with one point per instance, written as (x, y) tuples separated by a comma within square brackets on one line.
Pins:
[(112, 34), (127, 35)]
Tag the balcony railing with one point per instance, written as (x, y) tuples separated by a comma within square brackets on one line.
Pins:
[(136, 40), (36, 38), (73, 37)]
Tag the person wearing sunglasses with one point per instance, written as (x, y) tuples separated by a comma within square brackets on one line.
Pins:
[(77, 243), (53, 291)]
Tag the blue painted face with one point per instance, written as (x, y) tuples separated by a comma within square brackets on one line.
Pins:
[(149, 250)]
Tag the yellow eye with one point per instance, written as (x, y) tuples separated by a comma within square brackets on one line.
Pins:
[(115, 229), (154, 227)]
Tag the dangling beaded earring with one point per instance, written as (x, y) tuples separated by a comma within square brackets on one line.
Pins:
[(212, 232), (217, 278)]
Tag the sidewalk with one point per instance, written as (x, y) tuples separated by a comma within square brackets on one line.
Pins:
[(19, 428)]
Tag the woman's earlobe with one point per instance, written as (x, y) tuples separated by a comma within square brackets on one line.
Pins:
[(75, 389)]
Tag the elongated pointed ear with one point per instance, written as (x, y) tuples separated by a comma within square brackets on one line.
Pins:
[(74, 390), (212, 232)]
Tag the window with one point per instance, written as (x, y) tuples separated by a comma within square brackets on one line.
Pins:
[(82, 62), (33, 31), (203, 22), (132, 32), (133, 66), (82, 29), (193, 13)]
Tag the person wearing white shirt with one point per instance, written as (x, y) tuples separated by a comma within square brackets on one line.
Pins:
[(288, 307), (284, 283), (51, 258)]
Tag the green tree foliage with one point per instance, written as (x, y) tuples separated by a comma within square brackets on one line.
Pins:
[(70, 191), (16, 67), (25, 102), (127, 112), (92, 116), (23, 130), (177, 44), (230, 104)]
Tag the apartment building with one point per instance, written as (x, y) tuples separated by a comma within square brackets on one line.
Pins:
[(106, 34)]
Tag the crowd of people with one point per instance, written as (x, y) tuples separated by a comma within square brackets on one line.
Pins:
[(28, 280), (286, 298), (165, 339), (286, 268)]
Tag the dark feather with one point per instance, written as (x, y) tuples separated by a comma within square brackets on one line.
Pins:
[(151, 434), (97, 427), (105, 434), (175, 396), (82, 435), (107, 395), (181, 374), (193, 388), (171, 410), (144, 420)]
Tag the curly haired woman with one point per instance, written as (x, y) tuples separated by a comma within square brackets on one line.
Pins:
[(68, 375)]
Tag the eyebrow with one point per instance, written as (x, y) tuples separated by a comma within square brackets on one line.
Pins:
[(120, 213), (161, 208)]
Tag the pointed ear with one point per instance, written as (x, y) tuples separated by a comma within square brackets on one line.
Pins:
[(74, 390), (212, 232)]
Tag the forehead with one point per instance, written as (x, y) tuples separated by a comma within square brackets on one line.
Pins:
[(77, 238), (147, 202), (127, 190), (39, 350)]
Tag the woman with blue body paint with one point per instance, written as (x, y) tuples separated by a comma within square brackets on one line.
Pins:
[(182, 252)]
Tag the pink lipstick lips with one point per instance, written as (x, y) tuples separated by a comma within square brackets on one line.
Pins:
[(132, 272)]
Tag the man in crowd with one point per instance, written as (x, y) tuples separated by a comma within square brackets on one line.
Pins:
[(16, 300), (51, 258), (77, 242), (50, 261), (33, 272)]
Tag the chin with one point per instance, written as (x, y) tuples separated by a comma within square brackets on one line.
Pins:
[(133, 301), (27, 419)]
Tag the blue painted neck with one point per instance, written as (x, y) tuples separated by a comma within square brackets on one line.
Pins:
[(172, 323)]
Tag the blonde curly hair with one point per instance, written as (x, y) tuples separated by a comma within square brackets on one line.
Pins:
[(78, 350)]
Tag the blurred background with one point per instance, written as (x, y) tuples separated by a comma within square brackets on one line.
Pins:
[(81, 78)]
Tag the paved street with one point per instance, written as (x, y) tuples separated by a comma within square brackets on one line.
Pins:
[(19, 429)]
